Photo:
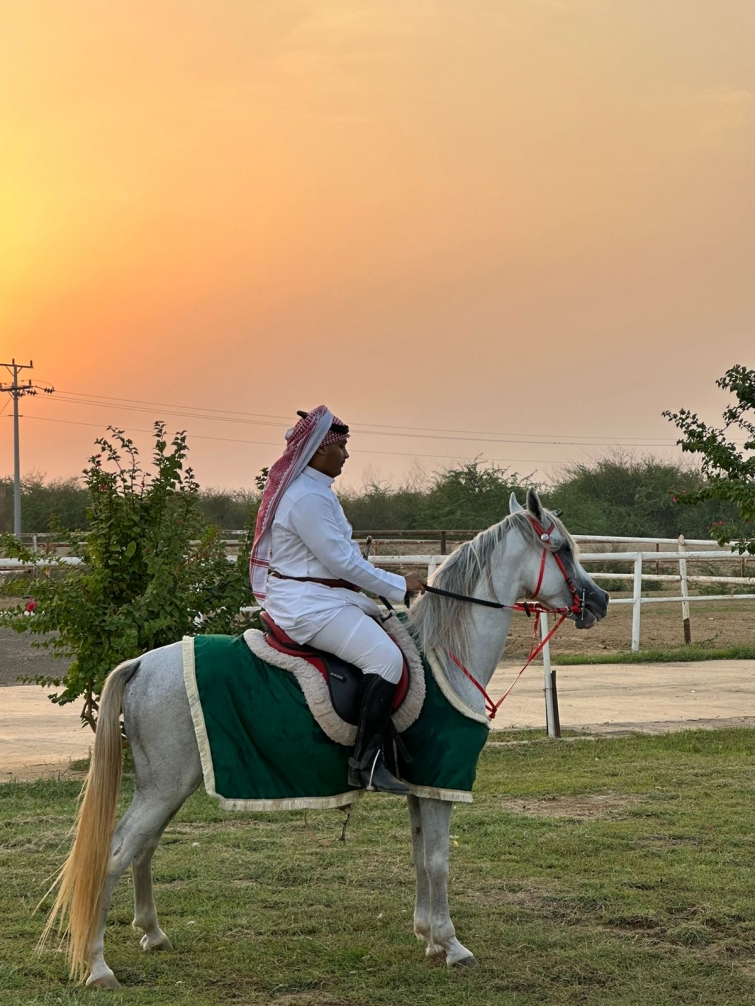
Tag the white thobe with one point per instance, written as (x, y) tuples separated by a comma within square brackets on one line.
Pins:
[(311, 537)]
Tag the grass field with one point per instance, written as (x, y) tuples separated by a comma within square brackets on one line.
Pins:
[(614, 871), (685, 654)]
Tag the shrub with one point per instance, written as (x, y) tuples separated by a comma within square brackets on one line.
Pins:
[(153, 569), (728, 466)]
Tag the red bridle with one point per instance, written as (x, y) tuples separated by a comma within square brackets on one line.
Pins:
[(538, 609)]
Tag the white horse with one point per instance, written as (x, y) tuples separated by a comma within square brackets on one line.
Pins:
[(528, 553)]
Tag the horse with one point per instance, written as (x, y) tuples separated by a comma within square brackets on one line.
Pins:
[(464, 628)]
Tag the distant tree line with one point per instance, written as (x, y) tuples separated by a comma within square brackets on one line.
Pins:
[(618, 494)]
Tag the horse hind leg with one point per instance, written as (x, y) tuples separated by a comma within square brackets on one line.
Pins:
[(135, 840), (145, 910), (165, 762), (138, 831), (167, 770)]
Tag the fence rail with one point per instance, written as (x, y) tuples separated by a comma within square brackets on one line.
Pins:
[(701, 551), (638, 558)]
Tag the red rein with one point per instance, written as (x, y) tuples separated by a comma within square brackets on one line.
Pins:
[(538, 609)]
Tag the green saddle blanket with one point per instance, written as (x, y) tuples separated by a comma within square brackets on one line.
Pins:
[(262, 749)]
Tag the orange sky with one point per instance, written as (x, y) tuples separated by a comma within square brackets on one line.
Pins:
[(532, 218)]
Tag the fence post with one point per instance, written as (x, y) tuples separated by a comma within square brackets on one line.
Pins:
[(443, 542), (636, 602), (685, 592), (549, 684)]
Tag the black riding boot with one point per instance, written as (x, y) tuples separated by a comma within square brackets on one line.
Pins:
[(367, 768)]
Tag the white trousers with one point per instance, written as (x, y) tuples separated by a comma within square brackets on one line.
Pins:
[(359, 639)]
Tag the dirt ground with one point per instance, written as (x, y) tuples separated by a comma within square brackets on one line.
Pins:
[(719, 624), (621, 698), (18, 659), (714, 623), (38, 738)]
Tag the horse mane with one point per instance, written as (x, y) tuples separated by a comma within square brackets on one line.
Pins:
[(439, 622)]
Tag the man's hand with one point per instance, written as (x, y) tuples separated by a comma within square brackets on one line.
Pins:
[(415, 582)]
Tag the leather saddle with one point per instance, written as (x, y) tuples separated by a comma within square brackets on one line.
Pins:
[(343, 679)]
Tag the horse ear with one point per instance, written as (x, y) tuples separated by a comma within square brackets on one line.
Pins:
[(534, 505), (514, 505)]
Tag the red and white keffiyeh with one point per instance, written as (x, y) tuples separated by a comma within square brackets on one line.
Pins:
[(311, 432)]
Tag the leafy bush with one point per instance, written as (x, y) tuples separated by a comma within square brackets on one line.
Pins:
[(618, 494), (153, 569), (230, 509), (473, 495), (61, 501), (379, 506), (621, 495), (728, 466)]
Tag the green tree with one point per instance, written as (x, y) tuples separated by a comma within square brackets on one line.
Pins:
[(228, 508), (62, 502), (153, 569), (728, 464), (473, 495), (381, 507), (622, 495)]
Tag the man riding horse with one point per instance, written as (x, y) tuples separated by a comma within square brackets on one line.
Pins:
[(309, 575)]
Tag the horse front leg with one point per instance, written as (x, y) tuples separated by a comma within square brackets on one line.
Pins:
[(436, 825), (422, 918)]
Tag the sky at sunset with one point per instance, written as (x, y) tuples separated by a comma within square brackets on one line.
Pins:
[(512, 229)]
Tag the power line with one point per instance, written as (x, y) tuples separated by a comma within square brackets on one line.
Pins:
[(261, 418), (230, 417), (270, 443)]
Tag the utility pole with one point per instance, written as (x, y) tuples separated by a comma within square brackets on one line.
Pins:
[(17, 391)]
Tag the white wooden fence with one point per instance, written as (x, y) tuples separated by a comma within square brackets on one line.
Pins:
[(680, 553), (684, 551)]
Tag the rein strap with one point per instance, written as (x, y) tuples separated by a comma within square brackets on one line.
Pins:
[(575, 608)]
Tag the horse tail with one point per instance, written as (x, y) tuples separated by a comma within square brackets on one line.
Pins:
[(81, 881)]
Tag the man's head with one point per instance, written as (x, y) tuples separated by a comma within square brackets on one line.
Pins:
[(330, 458), (331, 455)]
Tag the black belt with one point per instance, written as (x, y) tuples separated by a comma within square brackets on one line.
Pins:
[(315, 579)]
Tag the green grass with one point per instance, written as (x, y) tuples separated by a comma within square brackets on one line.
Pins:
[(614, 871), (692, 652)]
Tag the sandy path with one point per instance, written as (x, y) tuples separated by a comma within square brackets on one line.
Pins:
[(38, 738), (603, 698)]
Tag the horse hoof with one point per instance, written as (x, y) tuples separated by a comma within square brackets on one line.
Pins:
[(160, 942), (434, 952), (107, 980), (465, 962)]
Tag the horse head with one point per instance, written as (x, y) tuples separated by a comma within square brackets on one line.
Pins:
[(548, 565)]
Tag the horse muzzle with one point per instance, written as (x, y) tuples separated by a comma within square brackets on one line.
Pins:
[(594, 609)]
